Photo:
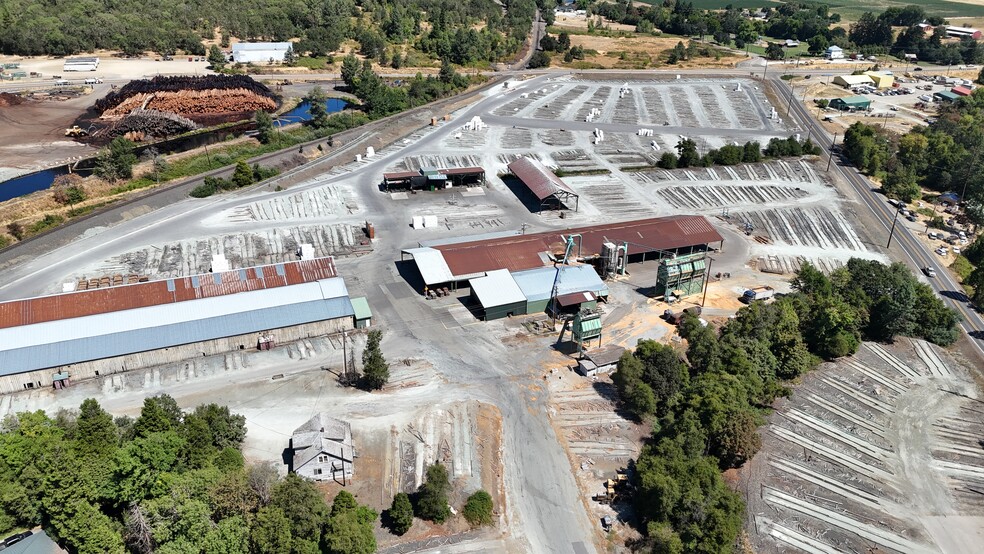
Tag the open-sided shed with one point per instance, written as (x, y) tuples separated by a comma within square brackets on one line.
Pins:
[(549, 189)]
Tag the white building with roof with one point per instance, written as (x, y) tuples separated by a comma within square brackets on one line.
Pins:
[(260, 52), (834, 52), (323, 449), (81, 64)]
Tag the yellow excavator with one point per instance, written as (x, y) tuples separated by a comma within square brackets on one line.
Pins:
[(76, 131)]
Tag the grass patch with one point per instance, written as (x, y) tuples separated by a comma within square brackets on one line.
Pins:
[(314, 63), (84, 210), (962, 267), (576, 172), (598, 32), (43, 224), (803, 50)]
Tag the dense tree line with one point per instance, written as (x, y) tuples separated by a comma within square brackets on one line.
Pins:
[(705, 406), (380, 99), (733, 154), (66, 27), (168, 481)]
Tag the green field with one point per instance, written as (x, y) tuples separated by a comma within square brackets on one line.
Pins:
[(850, 10)]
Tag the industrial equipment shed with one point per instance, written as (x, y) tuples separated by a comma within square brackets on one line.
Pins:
[(363, 315), (537, 284), (543, 183), (498, 294), (260, 52), (851, 103)]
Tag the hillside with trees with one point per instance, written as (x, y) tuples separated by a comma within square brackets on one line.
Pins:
[(706, 403), (167, 482), (466, 31)]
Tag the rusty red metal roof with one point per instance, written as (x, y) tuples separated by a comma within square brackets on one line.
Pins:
[(462, 171), (400, 175), (521, 252), (961, 90), (575, 298), (538, 178), (166, 291)]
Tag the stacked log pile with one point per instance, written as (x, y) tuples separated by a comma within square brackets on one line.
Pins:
[(140, 124), (191, 97)]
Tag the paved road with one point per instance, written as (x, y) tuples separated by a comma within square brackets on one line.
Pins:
[(915, 253)]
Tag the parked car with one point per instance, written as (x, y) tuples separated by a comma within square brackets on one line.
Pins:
[(941, 251), (956, 250), (932, 235)]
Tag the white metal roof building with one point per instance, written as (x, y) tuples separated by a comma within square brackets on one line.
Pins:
[(259, 52), (432, 266), (68, 341), (498, 294)]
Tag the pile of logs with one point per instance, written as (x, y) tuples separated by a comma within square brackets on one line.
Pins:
[(163, 84), (194, 102), (140, 123)]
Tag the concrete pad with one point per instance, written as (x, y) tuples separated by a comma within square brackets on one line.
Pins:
[(399, 196), (956, 534), (473, 191)]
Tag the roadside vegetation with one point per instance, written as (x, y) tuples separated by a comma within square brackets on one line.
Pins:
[(167, 481), (706, 403), (732, 154)]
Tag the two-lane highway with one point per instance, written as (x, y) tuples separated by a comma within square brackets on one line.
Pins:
[(916, 252)]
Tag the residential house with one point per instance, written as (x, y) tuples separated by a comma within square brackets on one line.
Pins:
[(323, 450)]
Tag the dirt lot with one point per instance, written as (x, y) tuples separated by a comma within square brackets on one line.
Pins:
[(33, 134), (110, 67), (640, 50)]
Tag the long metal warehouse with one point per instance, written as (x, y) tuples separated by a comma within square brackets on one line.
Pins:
[(121, 328), (543, 183)]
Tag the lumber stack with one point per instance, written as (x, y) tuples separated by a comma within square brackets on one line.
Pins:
[(189, 96)]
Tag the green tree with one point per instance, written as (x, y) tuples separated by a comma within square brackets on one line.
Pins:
[(400, 514), (316, 99), (229, 536), (751, 152), (775, 51), (688, 157), (264, 127), (976, 280), (350, 69), (197, 451), (901, 184), (349, 530), (818, 45), (96, 435), (668, 161), (374, 366), (227, 429), (432, 497), (270, 532), (636, 396), (116, 162), (302, 504), (539, 59), (478, 509), (159, 413), (243, 175), (216, 58)]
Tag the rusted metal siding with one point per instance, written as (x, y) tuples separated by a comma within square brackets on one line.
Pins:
[(165, 291)]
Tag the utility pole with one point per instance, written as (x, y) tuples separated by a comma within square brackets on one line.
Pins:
[(707, 280), (830, 155), (894, 221), (790, 104), (207, 157)]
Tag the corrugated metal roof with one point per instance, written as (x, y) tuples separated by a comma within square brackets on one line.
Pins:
[(254, 46), (961, 90), (92, 337), (168, 291), (400, 175), (575, 298), (463, 171), (361, 307), (538, 178), (497, 288), (522, 252), (537, 284), (430, 262)]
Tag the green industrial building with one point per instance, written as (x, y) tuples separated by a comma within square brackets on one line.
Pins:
[(851, 104), (498, 294), (681, 276)]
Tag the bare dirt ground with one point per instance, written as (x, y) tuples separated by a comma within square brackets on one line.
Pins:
[(637, 50), (110, 67), (879, 450), (33, 135)]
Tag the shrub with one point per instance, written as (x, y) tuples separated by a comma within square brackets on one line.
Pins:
[(400, 514), (478, 509), (432, 497)]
